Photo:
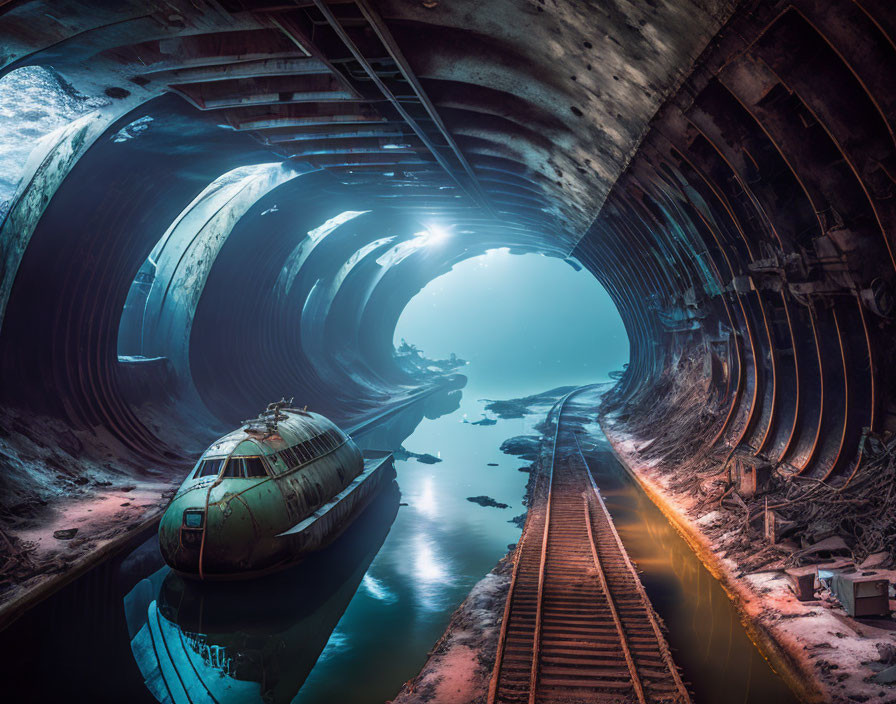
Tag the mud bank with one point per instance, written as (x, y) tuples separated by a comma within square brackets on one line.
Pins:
[(68, 500), (822, 654), (459, 666), (99, 525)]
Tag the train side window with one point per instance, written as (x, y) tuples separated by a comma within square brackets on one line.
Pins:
[(296, 457), (210, 467), (305, 452), (254, 467)]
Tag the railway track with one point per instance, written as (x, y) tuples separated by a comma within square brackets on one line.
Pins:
[(578, 626)]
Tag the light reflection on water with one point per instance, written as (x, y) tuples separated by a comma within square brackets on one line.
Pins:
[(400, 571), (401, 580), (439, 546), (377, 589)]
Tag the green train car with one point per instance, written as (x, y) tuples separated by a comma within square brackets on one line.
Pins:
[(266, 495)]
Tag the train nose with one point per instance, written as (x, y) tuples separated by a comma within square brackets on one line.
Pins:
[(209, 543), (180, 536)]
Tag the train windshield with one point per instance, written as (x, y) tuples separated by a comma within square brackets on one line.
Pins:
[(210, 467), (245, 468)]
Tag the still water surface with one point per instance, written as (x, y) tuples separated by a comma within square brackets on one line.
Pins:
[(709, 642), (439, 546), (353, 622)]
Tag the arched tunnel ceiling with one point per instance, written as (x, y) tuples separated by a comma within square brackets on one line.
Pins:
[(515, 115), (726, 172)]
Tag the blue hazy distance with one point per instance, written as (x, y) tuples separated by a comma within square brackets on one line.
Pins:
[(526, 323)]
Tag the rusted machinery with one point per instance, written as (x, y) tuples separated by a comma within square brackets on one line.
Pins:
[(862, 594)]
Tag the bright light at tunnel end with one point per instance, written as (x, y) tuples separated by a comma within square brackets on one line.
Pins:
[(435, 234)]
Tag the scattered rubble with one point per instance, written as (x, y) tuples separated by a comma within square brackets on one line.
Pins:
[(518, 521), (759, 530), (402, 454), (524, 446), (410, 358), (519, 407)]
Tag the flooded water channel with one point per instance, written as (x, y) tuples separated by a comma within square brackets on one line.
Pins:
[(355, 621), (719, 661)]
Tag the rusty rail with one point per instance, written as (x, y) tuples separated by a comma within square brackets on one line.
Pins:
[(577, 623)]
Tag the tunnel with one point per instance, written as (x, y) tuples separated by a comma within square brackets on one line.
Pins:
[(210, 205)]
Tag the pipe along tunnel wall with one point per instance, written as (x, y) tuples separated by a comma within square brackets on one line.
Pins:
[(735, 162)]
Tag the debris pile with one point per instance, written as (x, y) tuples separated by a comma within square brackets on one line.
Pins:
[(862, 513), (780, 518)]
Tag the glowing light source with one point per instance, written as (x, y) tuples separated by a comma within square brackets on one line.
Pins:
[(435, 234)]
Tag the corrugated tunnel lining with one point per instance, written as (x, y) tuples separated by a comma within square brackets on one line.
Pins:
[(750, 236), (762, 212), (408, 110)]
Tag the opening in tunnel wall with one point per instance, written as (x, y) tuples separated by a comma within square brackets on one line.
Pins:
[(523, 322)]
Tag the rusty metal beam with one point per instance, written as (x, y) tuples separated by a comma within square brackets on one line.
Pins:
[(385, 36), (396, 103)]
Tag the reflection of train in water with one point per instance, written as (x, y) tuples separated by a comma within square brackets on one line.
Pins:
[(264, 496), (221, 643)]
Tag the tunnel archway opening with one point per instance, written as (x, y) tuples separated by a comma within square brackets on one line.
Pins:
[(34, 101), (523, 322)]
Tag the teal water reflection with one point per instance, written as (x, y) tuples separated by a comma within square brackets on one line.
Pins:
[(439, 546), (254, 641), (354, 621)]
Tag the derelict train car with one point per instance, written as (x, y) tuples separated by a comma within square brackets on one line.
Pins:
[(264, 496)]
